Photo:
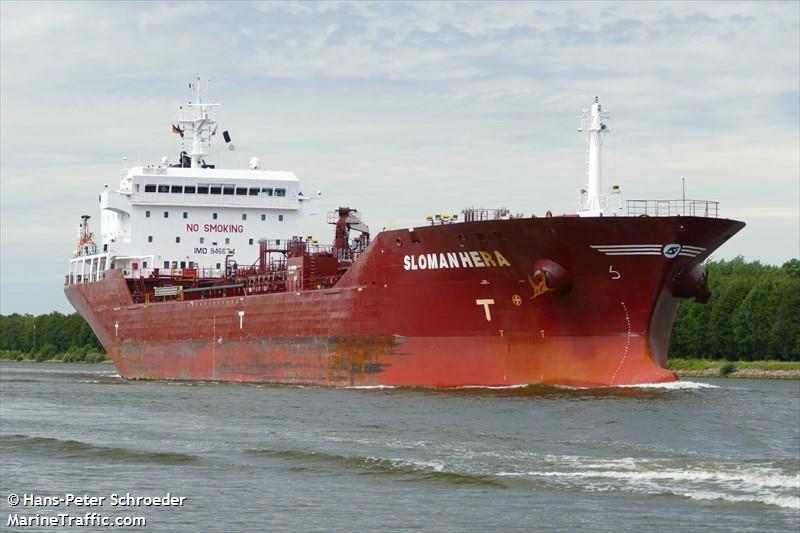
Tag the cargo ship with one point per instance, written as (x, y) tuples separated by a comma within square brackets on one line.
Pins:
[(201, 273)]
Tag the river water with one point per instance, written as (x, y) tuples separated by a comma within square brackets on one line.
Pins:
[(716, 455)]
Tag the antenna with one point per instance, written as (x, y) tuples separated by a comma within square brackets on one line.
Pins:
[(197, 123), (684, 194)]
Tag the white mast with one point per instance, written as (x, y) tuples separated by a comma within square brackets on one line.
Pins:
[(592, 123), (198, 125)]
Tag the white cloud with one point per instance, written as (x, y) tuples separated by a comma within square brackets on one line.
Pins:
[(401, 109)]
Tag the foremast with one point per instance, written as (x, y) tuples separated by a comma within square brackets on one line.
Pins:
[(593, 202)]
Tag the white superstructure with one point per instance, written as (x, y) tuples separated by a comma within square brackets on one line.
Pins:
[(593, 202), (189, 214)]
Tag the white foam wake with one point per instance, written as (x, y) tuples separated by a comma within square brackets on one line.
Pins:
[(417, 464), (672, 385), (787, 502), (493, 387), (750, 485), (755, 480)]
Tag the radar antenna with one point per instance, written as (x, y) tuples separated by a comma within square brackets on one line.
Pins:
[(197, 124)]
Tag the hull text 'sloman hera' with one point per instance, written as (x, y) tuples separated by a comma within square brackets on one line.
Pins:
[(200, 273)]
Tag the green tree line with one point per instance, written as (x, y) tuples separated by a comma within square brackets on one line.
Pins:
[(51, 336), (753, 314)]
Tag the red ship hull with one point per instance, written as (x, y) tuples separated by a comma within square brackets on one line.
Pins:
[(407, 314)]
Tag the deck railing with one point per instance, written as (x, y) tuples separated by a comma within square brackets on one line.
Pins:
[(472, 214), (668, 208)]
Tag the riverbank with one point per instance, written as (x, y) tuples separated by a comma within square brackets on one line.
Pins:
[(69, 357), (684, 368), (105, 361), (735, 369)]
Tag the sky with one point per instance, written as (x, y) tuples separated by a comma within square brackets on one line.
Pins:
[(401, 110)]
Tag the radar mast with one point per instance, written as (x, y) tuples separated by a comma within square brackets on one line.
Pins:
[(197, 124)]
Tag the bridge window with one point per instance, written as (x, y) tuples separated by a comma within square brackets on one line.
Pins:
[(216, 190), (166, 264), (150, 188), (266, 191), (241, 191), (202, 189), (163, 188), (254, 191), (183, 264), (149, 238), (176, 188), (280, 192), (227, 190), (189, 189)]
